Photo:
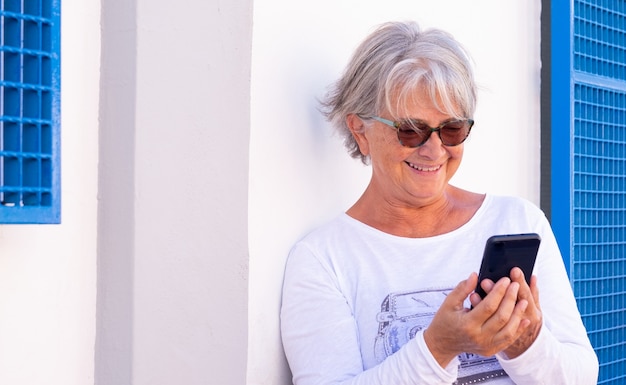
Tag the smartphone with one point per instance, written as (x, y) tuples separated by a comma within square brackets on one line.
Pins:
[(504, 252)]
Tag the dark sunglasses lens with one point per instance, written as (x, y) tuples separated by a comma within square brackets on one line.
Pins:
[(413, 134), (454, 133)]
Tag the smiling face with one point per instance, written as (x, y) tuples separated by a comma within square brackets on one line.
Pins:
[(402, 176)]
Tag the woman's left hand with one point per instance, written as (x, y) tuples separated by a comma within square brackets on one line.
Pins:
[(532, 312)]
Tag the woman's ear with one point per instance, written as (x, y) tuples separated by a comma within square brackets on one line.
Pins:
[(357, 128)]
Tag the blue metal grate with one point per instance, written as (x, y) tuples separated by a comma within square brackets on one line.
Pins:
[(598, 260), (598, 266), (599, 38), (29, 111)]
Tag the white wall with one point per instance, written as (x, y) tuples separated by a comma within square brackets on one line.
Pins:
[(173, 242), (48, 272), (300, 175)]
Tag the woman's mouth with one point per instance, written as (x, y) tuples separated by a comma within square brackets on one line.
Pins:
[(424, 168)]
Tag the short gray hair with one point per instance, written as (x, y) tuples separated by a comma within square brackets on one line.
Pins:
[(392, 62)]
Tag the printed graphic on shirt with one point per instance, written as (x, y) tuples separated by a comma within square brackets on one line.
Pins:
[(402, 315)]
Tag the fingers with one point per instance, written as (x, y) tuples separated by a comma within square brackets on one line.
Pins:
[(444, 336), (531, 317), (527, 292), (517, 275), (518, 324), (486, 284), (495, 294), (458, 295), (495, 323), (502, 309), (504, 317), (508, 319), (475, 299), (534, 289)]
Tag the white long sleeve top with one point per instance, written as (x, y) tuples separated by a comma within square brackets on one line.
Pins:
[(357, 300)]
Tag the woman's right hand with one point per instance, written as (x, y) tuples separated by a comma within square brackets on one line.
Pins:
[(490, 327)]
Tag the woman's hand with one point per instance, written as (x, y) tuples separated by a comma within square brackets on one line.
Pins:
[(532, 313), (507, 319)]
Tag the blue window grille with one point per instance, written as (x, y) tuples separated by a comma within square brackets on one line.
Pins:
[(29, 111), (589, 167)]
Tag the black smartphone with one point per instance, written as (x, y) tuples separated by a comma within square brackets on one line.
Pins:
[(504, 252)]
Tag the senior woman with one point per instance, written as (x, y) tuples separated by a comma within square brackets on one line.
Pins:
[(382, 294)]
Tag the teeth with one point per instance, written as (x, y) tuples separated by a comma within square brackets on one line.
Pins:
[(427, 169)]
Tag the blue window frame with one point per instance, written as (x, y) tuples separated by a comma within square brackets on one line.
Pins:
[(588, 167), (29, 111)]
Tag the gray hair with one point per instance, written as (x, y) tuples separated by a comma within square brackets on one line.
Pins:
[(389, 66)]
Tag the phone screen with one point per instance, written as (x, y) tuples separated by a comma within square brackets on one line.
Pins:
[(504, 252)]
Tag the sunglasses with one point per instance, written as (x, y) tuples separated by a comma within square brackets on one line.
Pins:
[(414, 133)]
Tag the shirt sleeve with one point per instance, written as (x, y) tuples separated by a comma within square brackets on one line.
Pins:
[(320, 336), (562, 353)]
